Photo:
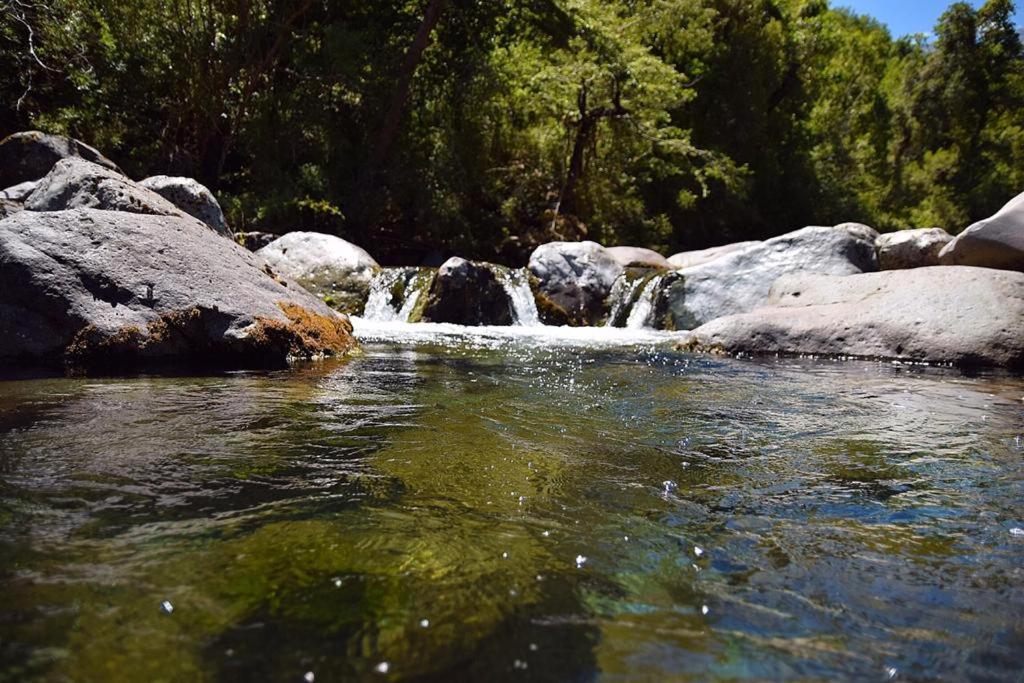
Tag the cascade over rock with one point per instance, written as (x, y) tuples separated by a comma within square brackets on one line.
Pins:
[(996, 242), (117, 291), (960, 315), (741, 280), (337, 271), (573, 281), (30, 155)]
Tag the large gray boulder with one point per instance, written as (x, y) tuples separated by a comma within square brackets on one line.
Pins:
[(572, 281), (688, 259), (117, 291), (638, 257), (337, 271), (30, 155), (996, 242), (741, 280), (959, 315), (189, 196), (468, 293), (911, 248), (75, 183)]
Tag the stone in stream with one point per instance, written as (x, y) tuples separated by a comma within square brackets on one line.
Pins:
[(951, 314), (996, 242), (31, 154), (189, 196), (115, 291), (337, 271), (688, 259), (911, 248), (741, 280), (75, 183), (638, 257), (468, 293), (572, 281)]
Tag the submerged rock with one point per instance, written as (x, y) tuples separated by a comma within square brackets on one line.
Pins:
[(688, 259), (572, 282), (996, 242), (337, 271), (911, 248), (30, 155), (960, 315), (118, 291), (75, 183), (468, 293), (638, 257), (189, 196), (741, 280)]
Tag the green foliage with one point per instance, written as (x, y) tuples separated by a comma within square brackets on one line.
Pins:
[(664, 123)]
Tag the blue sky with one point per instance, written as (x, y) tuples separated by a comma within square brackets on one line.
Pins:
[(909, 16)]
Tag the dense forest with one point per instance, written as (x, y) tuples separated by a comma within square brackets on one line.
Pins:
[(486, 127)]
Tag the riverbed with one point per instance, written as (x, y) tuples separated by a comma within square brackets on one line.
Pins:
[(519, 505)]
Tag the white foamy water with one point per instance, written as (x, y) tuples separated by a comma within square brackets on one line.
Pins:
[(446, 334)]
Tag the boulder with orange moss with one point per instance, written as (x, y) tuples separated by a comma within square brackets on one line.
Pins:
[(115, 291)]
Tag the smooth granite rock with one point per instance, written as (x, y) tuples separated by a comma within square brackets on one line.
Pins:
[(337, 271), (638, 257), (950, 314), (688, 259), (996, 242), (911, 248), (740, 281), (191, 197)]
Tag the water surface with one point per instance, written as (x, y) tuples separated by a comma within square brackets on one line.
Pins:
[(487, 507)]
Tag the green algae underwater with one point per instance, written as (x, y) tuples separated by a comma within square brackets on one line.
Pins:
[(452, 512)]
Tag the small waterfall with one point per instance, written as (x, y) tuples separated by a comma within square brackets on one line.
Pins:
[(395, 293), (622, 297), (524, 306), (640, 316)]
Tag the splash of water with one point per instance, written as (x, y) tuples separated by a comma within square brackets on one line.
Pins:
[(642, 314)]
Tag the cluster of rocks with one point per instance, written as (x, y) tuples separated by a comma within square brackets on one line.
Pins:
[(98, 272)]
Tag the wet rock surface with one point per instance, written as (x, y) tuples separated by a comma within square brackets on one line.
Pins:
[(468, 293), (115, 291), (952, 314)]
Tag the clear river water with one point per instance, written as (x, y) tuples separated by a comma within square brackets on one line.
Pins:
[(515, 505)]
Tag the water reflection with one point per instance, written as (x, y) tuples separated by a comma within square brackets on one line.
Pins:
[(467, 512)]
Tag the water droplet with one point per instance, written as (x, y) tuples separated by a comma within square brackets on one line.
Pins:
[(625, 538), (1016, 531), (424, 623), (580, 561), (669, 485), (337, 583), (504, 556), (698, 551), (540, 577), (695, 567), (891, 672), (533, 647), (382, 668), (309, 677), (545, 534), (704, 609), (166, 607), (520, 664)]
